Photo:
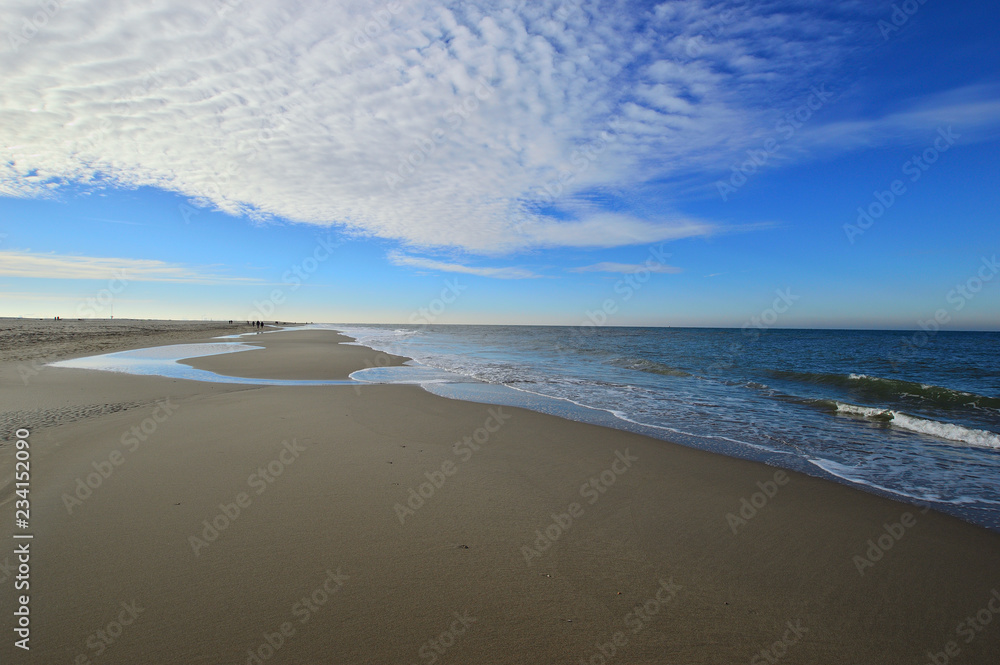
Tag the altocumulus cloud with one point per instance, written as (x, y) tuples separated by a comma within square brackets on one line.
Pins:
[(476, 126)]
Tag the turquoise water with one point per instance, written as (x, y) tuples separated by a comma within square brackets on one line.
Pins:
[(911, 416)]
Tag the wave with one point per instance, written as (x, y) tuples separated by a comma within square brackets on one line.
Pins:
[(875, 388), (870, 412), (974, 437), (649, 366), (948, 431), (626, 417)]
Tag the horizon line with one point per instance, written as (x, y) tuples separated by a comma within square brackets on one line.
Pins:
[(525, 325)]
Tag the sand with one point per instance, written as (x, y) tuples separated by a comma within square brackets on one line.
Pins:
[(306, 354), (38, 341), (380, 524)]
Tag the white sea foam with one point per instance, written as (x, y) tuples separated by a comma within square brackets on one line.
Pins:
[(973, 437), (947, 431), (864, 411)]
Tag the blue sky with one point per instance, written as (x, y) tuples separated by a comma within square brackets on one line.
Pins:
[(622, 163)]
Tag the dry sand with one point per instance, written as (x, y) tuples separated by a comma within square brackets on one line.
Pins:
[(318, 549), (38, 341)]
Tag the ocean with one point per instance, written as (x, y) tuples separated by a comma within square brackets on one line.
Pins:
[(910, 415)]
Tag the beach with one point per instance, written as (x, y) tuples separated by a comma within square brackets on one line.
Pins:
[(38, 341), (179, 521)]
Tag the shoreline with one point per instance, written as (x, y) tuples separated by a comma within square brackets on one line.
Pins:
[(544, 534), (317, 368)]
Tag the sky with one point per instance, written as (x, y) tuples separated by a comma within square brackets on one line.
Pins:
[(777, 163)]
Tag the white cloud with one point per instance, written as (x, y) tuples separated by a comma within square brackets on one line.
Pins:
[(609, 230), (451, 124), (16, 263), (628, 268), (401, 259), (973, 112)]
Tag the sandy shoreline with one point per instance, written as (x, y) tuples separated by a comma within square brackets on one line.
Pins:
[(38, 341), (380, 524)]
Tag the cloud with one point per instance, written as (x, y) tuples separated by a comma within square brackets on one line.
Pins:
[(972, 111), (628, 268), (70, 299), (609, 230), (478, 126), (15, 263), (401, 259), (33, 296)]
